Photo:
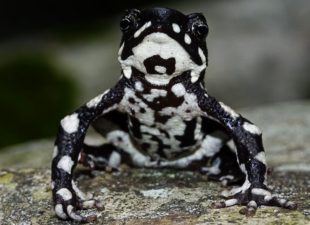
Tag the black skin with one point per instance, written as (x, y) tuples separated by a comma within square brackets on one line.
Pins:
[(214, 116)]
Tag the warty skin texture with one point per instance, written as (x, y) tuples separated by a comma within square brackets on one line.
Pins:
[(163, 117)]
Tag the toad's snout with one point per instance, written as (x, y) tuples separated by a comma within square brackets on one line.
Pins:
[(159, 38)]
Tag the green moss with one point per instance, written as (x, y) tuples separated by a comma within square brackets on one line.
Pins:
[(6, 178), (41, 195)]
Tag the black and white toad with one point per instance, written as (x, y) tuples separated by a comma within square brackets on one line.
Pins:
[(163, 117)]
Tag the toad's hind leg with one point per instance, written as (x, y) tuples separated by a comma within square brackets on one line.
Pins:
[(103, 157), (224, 167), (118, 150)]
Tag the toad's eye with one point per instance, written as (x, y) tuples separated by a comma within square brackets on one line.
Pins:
[(126, 24), (200, 30), (130, 20), (198, 25)]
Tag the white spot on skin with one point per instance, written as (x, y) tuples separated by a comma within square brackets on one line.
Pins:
[(289, 203), (95, 101), (282, 201), (212, 145), (194, 77), (79, 193), (156, 193), (231, 202), (202, 55), (65, 194), (127, 72), (115, 160), (194, 74), (72, 214), (251, 128), (178, 89), (65, 163), (227, 177), (252, 204), (137, 157), (139, 86), (229, 110), (214, 169), (53, 185), (261, 157), (120, 51), (70, 123), (100, 160), (260, 191), (176, 126), (187, 39), (155, 80), (242, 167), (155, 93), (89, 204), (55, 152), (149, 130), (94, 140), (144, 27), (267, 198), (198, 135), (60, 212), (160, 69), (176, 28), (245, 186)]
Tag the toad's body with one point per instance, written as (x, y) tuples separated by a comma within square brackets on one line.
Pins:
[(162, 116)]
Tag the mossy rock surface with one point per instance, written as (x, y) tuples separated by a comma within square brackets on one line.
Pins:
[(144, 196)]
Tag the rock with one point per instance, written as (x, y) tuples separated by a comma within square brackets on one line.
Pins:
[(147, 196)]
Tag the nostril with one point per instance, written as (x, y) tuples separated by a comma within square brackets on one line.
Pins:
[(158, 27)]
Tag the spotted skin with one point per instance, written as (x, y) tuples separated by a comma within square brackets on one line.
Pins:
[(159, 115)]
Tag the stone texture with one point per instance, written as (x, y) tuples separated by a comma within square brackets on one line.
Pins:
[(143, 196)]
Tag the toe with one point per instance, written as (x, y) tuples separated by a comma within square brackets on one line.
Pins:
[(280, 202), (227, 203), (250, 209)]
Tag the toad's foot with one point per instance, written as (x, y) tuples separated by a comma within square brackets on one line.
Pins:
[(252, 197), (68, 202)]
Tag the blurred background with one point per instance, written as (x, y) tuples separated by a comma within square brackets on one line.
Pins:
[(54, 57)]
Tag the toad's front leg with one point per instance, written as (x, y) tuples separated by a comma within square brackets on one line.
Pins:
[(66, 196), (250, 154)]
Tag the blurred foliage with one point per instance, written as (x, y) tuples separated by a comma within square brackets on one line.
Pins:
[(34, 95), (34, 92), (74, 19)]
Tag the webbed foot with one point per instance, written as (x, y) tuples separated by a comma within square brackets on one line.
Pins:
[(69, 200), (253, 197)]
